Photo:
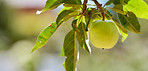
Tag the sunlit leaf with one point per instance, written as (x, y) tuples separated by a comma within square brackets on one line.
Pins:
[(81, 37), (44, 36), (138, 7), (123, 34), (61, 16), (70, 51), (66, 15), (130, 22), (62, 52), (52, 4), (64, 66), (119, 9), (122, 30)]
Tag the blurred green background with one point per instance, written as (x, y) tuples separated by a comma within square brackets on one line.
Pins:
[(20, 26)]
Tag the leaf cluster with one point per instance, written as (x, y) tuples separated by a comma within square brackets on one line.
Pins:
[(83, 16)]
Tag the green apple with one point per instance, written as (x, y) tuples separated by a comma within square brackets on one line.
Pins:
[(103, 34)]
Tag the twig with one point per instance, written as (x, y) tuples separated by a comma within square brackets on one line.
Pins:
[(99, 6), (84, 6)]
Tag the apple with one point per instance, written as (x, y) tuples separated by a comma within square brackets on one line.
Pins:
[(103, 34)]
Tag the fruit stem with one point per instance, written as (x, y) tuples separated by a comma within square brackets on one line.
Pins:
[(99, 6)]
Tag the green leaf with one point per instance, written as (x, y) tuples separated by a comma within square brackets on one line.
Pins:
[(123, 34), (88, 16), (109, 2), (116, 2), (73, 2), (62, 52), (44, 36), (66, 15), (120, 2), (78, 2), (72, 5), (74, 25), (91, 15), (108, 15), (119, 9), (122, 30), (130, 22), (70, 51), (52, 4), (138, 7), (81, 37), (64, 66), (62, 15), (126, 1)]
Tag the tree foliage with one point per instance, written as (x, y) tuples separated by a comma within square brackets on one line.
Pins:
[(128, 11)]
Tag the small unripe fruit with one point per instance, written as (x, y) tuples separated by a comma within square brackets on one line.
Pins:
[(103, 34)]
